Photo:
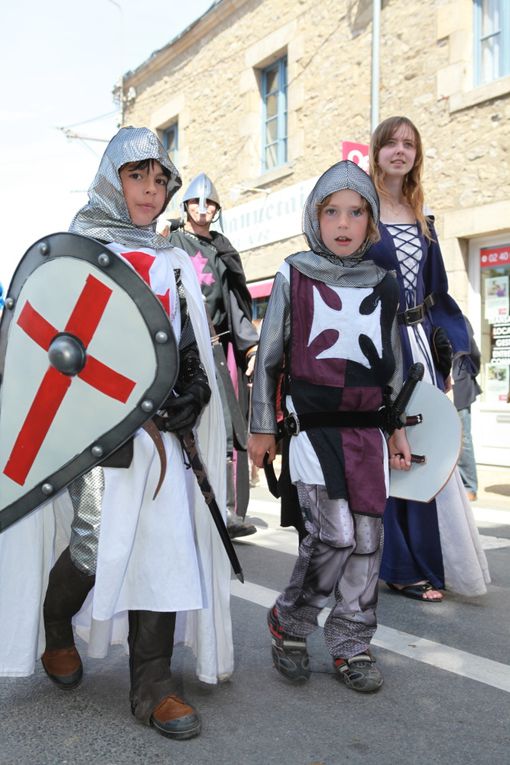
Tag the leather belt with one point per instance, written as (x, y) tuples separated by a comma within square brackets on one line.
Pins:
[(416, 314), (294, 424)]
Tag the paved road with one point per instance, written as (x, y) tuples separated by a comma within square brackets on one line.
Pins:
[(446, 697)]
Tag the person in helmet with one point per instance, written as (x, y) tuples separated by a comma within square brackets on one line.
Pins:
[(228, 301)]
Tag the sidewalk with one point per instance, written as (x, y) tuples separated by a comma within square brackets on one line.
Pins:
[(493, 487)]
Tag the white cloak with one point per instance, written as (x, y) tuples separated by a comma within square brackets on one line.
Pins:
[(153, 555)]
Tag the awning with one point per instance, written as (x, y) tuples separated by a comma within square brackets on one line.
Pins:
[(261, 288)]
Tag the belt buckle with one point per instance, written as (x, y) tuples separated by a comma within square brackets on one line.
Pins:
[(292, 424), (414, 315)]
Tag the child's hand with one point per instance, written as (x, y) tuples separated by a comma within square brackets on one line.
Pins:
[(260, 444), (400, 453), (251, 366)]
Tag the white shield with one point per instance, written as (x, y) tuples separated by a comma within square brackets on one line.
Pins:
[(87, 355), (437, 438)]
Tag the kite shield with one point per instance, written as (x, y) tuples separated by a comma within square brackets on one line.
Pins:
[(87, 356)]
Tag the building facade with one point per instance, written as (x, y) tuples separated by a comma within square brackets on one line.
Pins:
[(264, 95)]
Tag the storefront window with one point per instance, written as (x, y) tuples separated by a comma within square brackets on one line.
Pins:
[(495, 290), (259, 306)]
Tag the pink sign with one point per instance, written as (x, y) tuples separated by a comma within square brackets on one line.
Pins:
[(356, 152), (490, 257)]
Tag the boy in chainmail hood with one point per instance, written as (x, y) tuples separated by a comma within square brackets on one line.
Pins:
[(148, 557), (330, 326)]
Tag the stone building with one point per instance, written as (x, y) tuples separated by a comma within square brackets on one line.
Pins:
[(264, 95)]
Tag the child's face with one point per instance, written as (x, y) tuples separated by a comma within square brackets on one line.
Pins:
[(398, 155), (144, 191), (201, 219), (343, 222)]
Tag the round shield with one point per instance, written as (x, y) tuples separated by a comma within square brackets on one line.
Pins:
[(437, 438)]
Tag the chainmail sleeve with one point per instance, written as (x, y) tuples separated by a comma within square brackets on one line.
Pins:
[(274, 338)]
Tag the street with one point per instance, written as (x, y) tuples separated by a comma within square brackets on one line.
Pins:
[(446, 697)]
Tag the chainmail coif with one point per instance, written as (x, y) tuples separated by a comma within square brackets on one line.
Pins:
[(106, 215)]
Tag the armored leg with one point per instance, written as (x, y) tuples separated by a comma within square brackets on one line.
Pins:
[(151, 636)]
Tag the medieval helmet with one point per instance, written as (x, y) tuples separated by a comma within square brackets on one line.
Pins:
[(201, 188)]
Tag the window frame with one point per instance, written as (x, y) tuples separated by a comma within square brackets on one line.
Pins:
[(165, 134), (504, 42), (280, 67)]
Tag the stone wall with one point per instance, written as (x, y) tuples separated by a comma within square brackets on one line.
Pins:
[(208, 79)]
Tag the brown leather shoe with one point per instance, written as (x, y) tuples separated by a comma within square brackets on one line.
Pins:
[(63, 666), (175, 719)]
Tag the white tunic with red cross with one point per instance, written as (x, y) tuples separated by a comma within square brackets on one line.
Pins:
[(161, 555)]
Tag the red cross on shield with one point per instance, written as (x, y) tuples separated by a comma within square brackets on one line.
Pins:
[(57, 422)]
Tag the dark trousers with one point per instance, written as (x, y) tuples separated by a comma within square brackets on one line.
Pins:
[(67, 589), (150, 639)]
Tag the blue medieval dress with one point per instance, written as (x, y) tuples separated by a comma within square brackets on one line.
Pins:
[(436, 541)]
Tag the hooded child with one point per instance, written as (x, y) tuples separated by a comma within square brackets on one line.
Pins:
[(110, 561), (330, 326)]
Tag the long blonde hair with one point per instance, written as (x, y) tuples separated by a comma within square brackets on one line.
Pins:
[(412, 185)]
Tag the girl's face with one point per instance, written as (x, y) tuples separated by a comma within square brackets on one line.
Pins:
[(343, 222), (397, 156), (144, 191)]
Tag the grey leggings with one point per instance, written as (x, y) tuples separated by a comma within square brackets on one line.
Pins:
[(341, 555)]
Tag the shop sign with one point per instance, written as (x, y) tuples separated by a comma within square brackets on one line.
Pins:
[(500, 343), (492, 257), (276, 216), (356, 152)]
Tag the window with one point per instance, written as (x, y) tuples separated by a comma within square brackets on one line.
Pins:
[(274, 115), (170, 140), (492, 40)]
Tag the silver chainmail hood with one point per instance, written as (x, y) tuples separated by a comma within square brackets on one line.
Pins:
[(343, 175), (321, 263), (106, 215)]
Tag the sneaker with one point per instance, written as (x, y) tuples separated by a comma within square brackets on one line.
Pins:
[(359, 673), (289, 653), (237, 527)]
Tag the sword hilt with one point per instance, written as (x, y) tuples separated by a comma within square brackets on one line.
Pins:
[(414, 376)]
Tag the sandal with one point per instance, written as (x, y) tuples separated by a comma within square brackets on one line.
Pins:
[(415, 591)]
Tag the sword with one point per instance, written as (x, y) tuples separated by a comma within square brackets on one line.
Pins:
[(414, 376), (190, 448), (398, 407), (236, 415)]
